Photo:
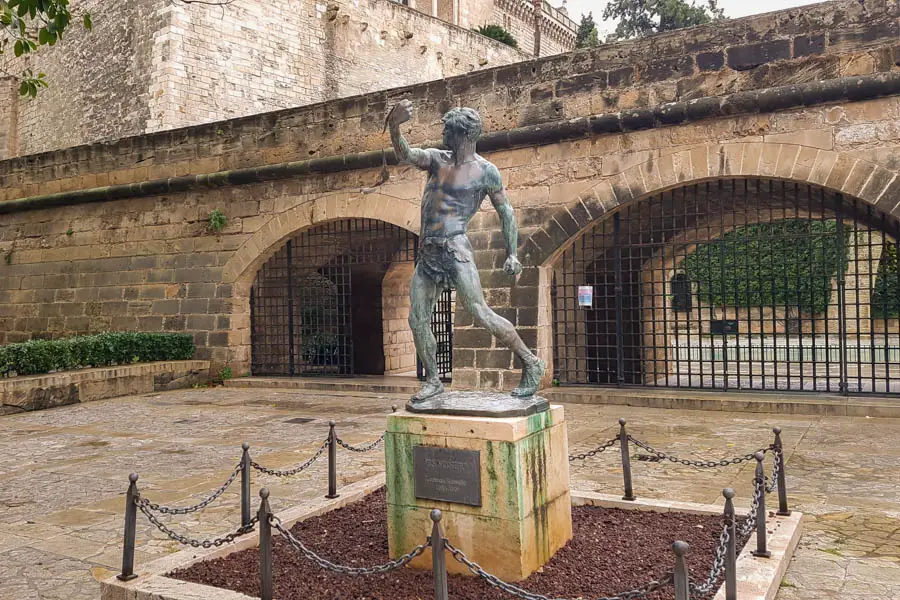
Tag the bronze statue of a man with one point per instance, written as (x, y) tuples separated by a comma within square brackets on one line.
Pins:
[(458, 181)]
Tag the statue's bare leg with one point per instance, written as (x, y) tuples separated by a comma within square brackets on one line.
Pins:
[(468, 289), (423, 294)]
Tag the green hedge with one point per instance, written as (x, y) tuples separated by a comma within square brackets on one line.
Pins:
[(886, 295), (785, 263), (101, 350)]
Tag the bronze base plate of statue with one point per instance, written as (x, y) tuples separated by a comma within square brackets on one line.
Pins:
[(458, 182), (479, 404)]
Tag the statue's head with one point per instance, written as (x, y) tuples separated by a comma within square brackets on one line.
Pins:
[(461, 125)]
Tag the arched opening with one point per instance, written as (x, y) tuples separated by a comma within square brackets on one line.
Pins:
[(333, 300), (744, 284)]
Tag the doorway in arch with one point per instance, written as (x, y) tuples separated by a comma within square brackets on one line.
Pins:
[(739, 284), (333, 301)]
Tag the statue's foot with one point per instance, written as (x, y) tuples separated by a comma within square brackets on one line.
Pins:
[(531, 379), (430, 389)]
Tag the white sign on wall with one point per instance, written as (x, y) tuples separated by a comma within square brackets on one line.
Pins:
[(586, 295)]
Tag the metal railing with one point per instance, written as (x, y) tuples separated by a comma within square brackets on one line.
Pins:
[(724, 557), (724, 561), (136, 502), (624, 439)]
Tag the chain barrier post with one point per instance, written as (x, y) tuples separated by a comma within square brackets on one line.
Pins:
[(266, 585), (127, 573), (731, 551), (245, 485), (760, 491), (626, 461), (332, 461), (783, 510), (438, 558), (682, 586)]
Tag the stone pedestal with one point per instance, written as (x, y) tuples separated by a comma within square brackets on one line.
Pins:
[(511, 510)]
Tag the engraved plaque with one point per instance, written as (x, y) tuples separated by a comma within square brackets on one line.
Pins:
[(448, 475)]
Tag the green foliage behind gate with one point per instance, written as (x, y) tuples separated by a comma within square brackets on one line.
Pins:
[(785, 263), (886, 292)]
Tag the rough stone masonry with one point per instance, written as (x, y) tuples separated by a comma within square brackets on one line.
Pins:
[(115, 235), (152, 65)]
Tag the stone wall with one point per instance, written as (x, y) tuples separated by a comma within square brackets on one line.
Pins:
[(100, 80), (377, 44), (149, 261), (517, 16), (399, 350), (9, 129), (151, 65), (37, 392)]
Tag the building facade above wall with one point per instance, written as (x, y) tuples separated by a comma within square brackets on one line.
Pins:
[(168, 65)]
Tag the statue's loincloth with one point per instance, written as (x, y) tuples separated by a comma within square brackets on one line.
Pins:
[(439, 258)]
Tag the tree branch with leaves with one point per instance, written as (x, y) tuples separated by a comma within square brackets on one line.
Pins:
[(637, 18), (26, 25)]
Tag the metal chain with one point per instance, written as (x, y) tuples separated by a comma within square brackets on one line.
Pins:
[(703, 589), (295, 470), (518, 592), (168, 510), (776, 471), (362, 448), (324, 563), (749, 523), (191, 541), (598, 450), (710, 464)]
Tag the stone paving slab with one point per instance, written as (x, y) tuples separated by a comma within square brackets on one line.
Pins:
[(63, 473)]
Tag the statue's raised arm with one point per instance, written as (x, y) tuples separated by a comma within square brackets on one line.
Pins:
[(401, 113)]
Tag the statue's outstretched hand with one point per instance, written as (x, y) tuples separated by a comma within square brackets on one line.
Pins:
[(401, 113), (512, 266)]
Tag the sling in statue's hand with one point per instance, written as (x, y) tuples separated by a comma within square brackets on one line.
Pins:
[(401, 113), (512, 266)]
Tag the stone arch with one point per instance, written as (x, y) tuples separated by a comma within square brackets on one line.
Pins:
[(242, 267), (837, 171)]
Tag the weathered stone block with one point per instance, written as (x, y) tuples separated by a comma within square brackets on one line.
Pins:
[(524, 516), (741, 58)]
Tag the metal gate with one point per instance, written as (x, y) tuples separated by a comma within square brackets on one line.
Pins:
[(442, 328), (733, 285), (316, 305)]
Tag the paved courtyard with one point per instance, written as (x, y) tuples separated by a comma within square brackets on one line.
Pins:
[(63, 474)]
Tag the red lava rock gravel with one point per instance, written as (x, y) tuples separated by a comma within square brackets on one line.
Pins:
[(612, 551)]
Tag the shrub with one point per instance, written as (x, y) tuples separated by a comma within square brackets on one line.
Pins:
[(791, 262), (42, 356), (217, 220), (496, 32), (886, 292)]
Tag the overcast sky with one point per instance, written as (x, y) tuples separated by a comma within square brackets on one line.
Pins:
[(733, 8)]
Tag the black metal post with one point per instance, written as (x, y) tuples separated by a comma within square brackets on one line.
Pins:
[(130, 533), (731, 548), (290, 311), (626, 461), (760, 479), (266, 585), (438, 558), (619, 288), (682, 588), (783, 510), (842, 303), (332, 461), (245, 485)]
